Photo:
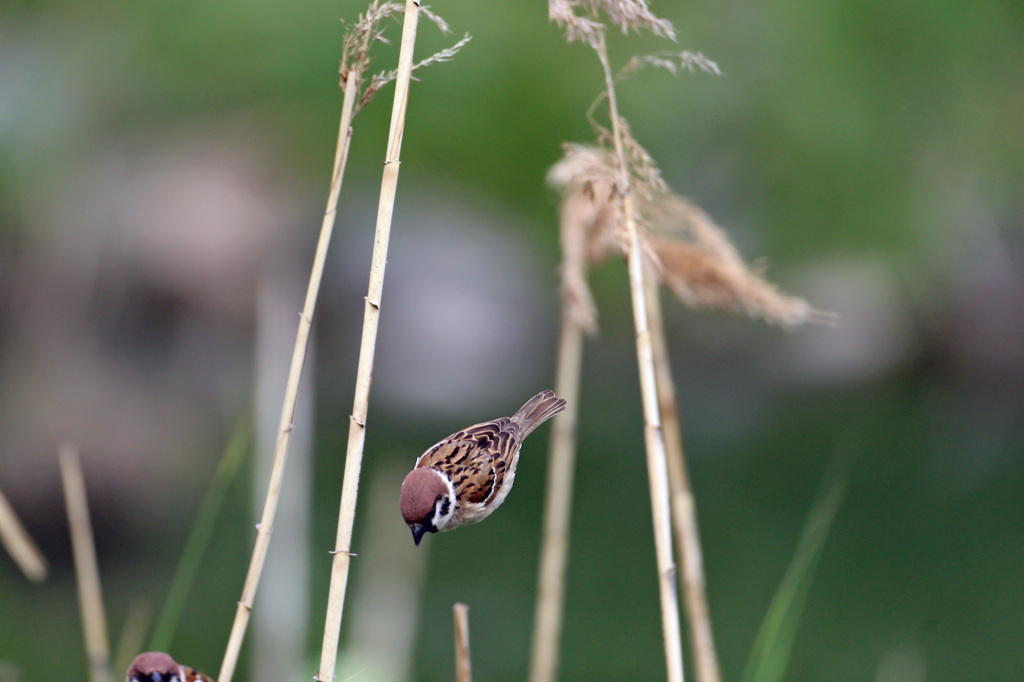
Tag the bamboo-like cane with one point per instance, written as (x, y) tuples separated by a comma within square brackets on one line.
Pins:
[(19, 543), (653, 437), (90, 597), (259, 553), (463, 670), (554, 553), (371, 316), (684, 511)]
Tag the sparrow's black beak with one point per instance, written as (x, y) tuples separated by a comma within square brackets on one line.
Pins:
[(418, 529)]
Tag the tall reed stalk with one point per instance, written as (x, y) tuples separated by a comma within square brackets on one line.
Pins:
[(90, 596), (371, 316), (684, 508), (583, 21), (653, 437), (554, 553), (259, 553), (614, 199)]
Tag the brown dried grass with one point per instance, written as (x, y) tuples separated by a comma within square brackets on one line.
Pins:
[(684, 248)]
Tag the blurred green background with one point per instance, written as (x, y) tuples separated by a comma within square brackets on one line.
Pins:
[(163, 169)]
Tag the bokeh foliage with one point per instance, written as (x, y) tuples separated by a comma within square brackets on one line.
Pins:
[(886, 132)]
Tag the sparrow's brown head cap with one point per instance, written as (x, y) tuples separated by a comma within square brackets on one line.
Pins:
[(420, 491)]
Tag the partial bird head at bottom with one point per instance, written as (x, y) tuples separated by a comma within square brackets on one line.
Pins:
[(156, 666)]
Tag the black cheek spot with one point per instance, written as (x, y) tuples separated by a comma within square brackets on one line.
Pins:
[(445, 505)]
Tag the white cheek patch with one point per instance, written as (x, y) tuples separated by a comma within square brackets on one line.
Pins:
[(444, 511)]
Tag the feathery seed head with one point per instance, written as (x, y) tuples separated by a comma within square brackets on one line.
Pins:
[(683, 247)]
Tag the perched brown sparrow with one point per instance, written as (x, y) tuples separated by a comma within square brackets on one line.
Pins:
[(468, 475), (156, 666)]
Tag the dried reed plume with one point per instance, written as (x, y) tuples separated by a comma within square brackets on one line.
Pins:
[(667, 60), (366, 31), (614, 200), (689, 254), (685, 250), (581, 21)]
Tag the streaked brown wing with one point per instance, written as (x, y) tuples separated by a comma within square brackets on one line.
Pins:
[(502, 440), (475, 458), (475, 480), (486, 433), (468, 465)]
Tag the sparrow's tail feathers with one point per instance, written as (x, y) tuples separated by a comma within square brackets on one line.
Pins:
[(538, 410)]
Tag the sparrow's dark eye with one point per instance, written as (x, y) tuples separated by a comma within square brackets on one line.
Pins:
[(155, 677)]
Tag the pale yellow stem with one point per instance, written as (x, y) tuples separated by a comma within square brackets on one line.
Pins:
[(463, 670), (653, 437), (265, 528), (371, 316), (90, 597), (684, 511), (554, 553), (19, 544)]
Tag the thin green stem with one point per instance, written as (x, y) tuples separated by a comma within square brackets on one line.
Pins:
[(199, 538)]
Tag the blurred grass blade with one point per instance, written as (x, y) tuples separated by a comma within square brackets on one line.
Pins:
[(87, 570), (199, 538), (133, 634), (774, 642), (19, 544)]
